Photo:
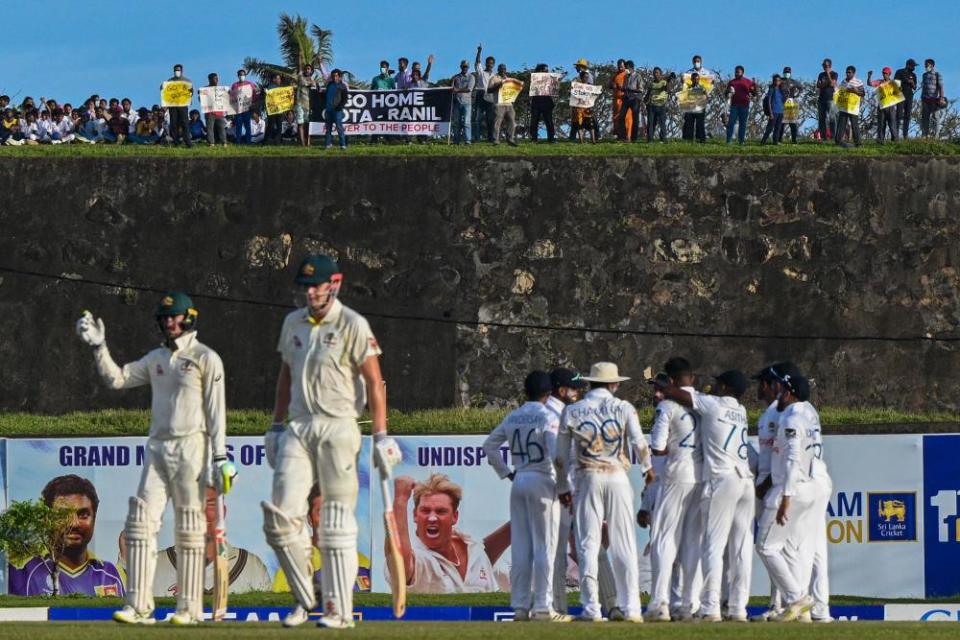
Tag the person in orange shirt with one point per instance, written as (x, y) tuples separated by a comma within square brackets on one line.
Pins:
[(616, 85)]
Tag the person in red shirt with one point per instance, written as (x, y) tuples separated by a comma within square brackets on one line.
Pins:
[(739, 92)]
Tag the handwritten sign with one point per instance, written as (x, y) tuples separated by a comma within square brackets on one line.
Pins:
[(279, 100), (545, 84), (176, 93), (509, 91), (584, 95)]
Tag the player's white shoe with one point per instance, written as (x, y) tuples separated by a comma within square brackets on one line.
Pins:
[(295, 618), (766, 616), (583, 618), (521, 615), (129, 615), (635, 619), (615, 614), (795, 609), (183, 618), (335, 622), (804, 617), (658, 614), (823, 620), (708, 617), (737, 617), (549, 616)]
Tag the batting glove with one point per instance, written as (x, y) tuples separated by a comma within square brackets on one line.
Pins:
[(224, 475), (271, 443), (91, 331), (386, 454)]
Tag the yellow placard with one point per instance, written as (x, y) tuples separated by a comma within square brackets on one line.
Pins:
[(705, 81), (791, 111), (847, 101), (509, 91), (692, 100), (279, 100), (176, 93), (889, 94)]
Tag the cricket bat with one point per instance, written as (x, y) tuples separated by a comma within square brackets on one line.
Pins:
[(398, 576), (221, 569)]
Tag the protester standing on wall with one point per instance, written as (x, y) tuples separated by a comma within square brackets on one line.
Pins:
[(908, 85), (791, 91), (505, 112), (275, 121), (826, 85), (241, 121), (933, 100), (463, 85), (658, 92), (886, 118), (852, 84), (630, 107), (335, 99), (740, 90), (306, 82), (179, 116), (773, 108), (484, 112), (541, 108), (216, 121)]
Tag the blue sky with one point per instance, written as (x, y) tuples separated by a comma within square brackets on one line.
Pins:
[(127, 48)]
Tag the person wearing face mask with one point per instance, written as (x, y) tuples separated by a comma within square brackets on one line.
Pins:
[(933, 100), (384, 81), (707, 76), (243, 95), (791, 91), (179, 116)]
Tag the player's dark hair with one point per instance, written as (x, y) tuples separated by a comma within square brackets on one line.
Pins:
[(70, 485), (677, 366)]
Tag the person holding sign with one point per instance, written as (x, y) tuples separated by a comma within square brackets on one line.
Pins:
[(791, 107), (542, 103), (506, 90), (243, 95), (848, 98), (216, 122), (888, 97), (581, 108), (178, 104), (694, 118), (274, 120), (708, 77)]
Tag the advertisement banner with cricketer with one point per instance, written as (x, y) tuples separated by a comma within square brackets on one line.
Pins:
[(112, 466)]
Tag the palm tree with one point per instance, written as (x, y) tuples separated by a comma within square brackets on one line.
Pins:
[(299, 45)]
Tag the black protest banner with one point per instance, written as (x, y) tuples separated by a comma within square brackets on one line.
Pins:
[(412, 112)]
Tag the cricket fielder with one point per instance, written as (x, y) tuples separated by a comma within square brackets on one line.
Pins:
[(329, 363), (567, 385), (727, 499), (675, 529), (188, 419), (606, 431), (786, 505), (531, 431)]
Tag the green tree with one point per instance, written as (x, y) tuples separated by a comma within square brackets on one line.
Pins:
[(29, 529), (300, 43)]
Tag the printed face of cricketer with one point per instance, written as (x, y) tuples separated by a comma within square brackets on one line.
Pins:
[(435, 518), (81, 528)]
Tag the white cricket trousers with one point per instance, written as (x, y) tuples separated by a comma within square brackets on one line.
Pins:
[(534, 522), (606, 496), (812, 545), (783, 560), (608, 592), (675, 531), (726, 510)]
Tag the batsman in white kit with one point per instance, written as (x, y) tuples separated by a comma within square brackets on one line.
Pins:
[(188, 420), (727, 494), (675, 530), (330, 363), (605, 431), (531, 432)]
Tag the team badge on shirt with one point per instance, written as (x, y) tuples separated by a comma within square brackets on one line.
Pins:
[(330, 339)]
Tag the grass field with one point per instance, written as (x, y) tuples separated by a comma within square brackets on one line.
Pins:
[(488, 631), (527, 149), (436, 421)]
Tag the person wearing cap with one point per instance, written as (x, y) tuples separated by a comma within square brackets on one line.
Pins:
[(329, 370), (787, 505), (908, 85), (567, 386), (727, 501), (585, 75), (886, 118), (188, 419), (768, 389), (531, 432), (675, 529), (462, 86), (243, 94), (599, 436), (179, 116), (484, 102)]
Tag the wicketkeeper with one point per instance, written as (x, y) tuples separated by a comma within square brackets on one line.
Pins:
[(188, 420), (330, 363)]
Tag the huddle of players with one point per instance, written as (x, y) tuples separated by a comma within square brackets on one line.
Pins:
[(711, 484)]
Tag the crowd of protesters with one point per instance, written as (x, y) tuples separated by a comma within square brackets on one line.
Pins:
[(639, 107)]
